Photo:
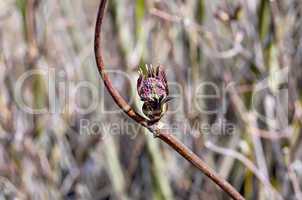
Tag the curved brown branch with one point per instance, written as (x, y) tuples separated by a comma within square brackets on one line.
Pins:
[(119, 100), (164, 136)]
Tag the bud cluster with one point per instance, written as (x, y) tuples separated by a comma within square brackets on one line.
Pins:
[(153, 90)]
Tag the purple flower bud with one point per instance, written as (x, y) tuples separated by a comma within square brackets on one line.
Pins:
[(153, 90), (152, 84)]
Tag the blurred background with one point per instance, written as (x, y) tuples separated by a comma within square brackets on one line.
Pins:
[(234, 69)]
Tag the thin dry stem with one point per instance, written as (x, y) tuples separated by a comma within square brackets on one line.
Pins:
[(164, 136)]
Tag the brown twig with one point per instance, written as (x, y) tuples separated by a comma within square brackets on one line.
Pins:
[(164, 136)]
